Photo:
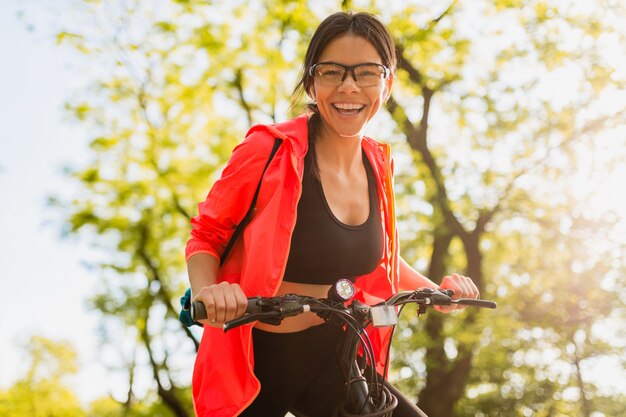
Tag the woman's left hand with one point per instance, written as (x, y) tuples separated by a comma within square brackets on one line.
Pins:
[(462, 286)]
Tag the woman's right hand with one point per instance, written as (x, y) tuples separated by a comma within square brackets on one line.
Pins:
[(223, 302)]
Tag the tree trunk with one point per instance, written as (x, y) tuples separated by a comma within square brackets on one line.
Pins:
[(585, 407), (446, 378)]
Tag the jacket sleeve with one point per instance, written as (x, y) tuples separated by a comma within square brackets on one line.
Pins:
[(230, 197)]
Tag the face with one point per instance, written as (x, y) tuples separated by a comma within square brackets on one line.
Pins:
[(345, 109)]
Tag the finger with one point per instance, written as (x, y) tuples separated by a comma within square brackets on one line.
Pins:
[(209, 305), (230, 307), (242, 300), (219, 306), (473, 289), (469, 289), (448, 282), (445, 309), (465, 288)]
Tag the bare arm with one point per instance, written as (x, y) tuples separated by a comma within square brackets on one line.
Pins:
[(202, 269), (410, 279), (462, 286), (223, 301)]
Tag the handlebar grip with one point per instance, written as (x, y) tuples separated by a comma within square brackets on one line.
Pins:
[(475, 303), (253, 305), (198, 312)]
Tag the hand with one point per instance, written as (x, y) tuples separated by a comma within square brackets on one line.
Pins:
[(223, 302), (462, 286)]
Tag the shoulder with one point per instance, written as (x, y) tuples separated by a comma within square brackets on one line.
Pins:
[(251, 154), (294, 132)]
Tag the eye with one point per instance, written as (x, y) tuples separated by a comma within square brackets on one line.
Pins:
[(369, 71), (331, 72)]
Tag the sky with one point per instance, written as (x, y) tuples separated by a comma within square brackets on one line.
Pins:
[(43, 283)]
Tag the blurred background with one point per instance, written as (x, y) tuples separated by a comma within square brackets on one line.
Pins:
[(507, 124)]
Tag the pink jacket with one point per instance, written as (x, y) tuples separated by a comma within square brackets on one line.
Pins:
[(223, 380)]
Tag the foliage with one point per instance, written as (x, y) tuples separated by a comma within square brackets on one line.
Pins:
[(43, 392), (498, 115)]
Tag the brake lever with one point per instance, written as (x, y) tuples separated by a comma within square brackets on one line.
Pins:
[(271, 317), (433, 296)]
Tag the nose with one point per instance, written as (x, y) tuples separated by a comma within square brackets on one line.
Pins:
[(349, 81)]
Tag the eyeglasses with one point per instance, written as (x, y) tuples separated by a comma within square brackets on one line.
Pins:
[(364, 75)]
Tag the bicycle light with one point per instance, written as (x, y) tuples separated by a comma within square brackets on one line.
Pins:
[(341, 291)]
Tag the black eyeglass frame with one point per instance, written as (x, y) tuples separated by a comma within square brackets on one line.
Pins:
[(350, 69)]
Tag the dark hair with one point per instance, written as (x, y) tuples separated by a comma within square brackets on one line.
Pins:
[(338, 24)]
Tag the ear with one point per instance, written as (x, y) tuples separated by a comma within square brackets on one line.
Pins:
[(311, 92)]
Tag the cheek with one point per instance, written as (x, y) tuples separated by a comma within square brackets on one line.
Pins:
[(319, 94), (378, 100)]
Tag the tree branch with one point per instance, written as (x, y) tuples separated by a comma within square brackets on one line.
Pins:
[(238, 84), (167, 395), (447, 11), (486, 215), (417, 141), (163, 292), (414, 74)]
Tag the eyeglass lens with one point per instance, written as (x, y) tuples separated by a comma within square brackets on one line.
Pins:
[(363, 74)]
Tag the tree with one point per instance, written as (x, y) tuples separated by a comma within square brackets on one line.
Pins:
[(478, 125), (43, 392), (538, 130)]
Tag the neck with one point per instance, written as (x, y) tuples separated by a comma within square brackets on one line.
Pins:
[(342, 153)]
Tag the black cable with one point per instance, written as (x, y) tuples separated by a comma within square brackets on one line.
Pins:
[(393, 329), (365, 341), (358, 330), (370, 348), (368, 351)]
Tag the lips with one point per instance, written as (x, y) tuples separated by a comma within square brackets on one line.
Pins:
[(348, 108)]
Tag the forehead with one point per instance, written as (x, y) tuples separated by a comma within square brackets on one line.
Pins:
[(350, 49)]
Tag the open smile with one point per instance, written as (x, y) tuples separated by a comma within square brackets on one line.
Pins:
[(348, 108)]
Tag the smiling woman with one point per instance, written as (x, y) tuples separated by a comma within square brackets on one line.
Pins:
[(167, 53), (329, 216)]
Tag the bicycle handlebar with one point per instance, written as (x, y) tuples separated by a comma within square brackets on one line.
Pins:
[(273, 309)]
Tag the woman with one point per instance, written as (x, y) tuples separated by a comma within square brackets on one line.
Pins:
[(325, 211)]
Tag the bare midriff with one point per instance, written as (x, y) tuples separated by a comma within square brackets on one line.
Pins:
[(302, 321)]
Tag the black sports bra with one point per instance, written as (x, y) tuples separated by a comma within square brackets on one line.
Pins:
[(323, 249)]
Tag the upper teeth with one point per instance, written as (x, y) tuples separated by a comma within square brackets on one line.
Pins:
[(348, 106)]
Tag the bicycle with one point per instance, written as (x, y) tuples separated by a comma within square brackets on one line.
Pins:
[(365, 393)]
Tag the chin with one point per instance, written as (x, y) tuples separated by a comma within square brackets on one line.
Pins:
[(351, 131), (351, 135)]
